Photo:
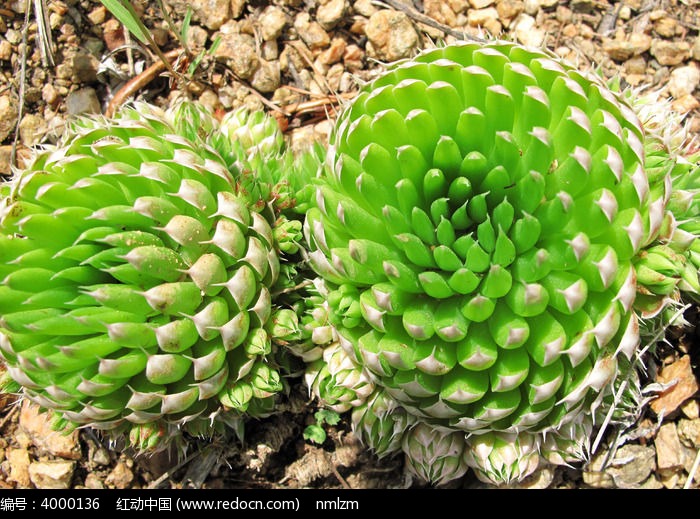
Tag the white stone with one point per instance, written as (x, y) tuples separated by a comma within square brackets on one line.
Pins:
[(51, 474), (532, 6), (684, 80)]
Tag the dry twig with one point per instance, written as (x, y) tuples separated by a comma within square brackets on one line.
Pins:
[(22, 80), (312, 106), (138, 82), (9, 415), (44, 34), (305, 54), (167, 475), (337, 475), (427, 20)]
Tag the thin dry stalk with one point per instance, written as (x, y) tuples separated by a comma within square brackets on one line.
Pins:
[(22, 79), (427, 20), (9, 415), (693, 470), (44, 34), (138, 82)]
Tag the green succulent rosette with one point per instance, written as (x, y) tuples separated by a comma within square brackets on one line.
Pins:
[(667, 280), (503, 457), (380, 423), (478, 226), (434, 454), (138, 260), (337, 381), (667, 268)]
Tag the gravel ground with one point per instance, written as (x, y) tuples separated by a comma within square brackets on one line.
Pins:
[(295, 58)]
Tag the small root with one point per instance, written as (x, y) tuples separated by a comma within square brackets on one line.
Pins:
[(318, 464)]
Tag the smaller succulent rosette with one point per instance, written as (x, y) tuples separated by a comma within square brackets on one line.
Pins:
[(138, 262), (381, 424), (503, 457)]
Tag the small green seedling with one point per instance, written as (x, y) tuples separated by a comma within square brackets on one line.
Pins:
[(316, 433)]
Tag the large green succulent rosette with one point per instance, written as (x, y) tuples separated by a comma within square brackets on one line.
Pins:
[(667, 268), (477, 226), (138, 260)]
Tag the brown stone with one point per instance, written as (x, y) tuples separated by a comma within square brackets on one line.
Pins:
[(509, 9), (668, 448), (97, 15), (120, 477), (691, 409), (485, 18), (564, 14), (461, 6), (32, 129), (666, 27), (334, 76), (23, 157), (440, 11), (311, 32), (391, 35), (689, 456), (352, 58), (669, 479), (49, 94), (8, 116), (651, 484), (532, 6), (622, 50), (685, 104), (54, 475), (270, 50), (266, 78), (93, 482), (290, 57), (684, 80), (330, 13), (526, 31), (5, 169), (5, 398), (364, 7), (83, 101), (631, 466), (19, 466), (569, 30), (210, 13), (239, 52), (36, 425), (334, 53), (694, 124), (113, 34), (685, 386), (636, 79), (358, 25), (272, 22), (237, 7), (695, 51), (689, 432), (670, 52), (5, 50), (636, 65), (480, 4)]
